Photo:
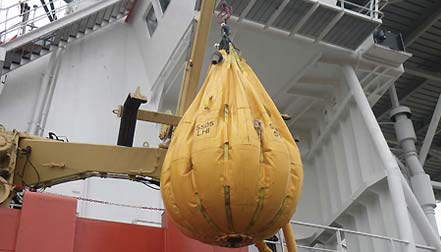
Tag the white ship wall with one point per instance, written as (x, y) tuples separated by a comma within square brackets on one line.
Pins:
[(19, 94), (96, 74)]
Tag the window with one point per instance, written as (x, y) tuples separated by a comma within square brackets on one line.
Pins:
[(151, 20), (164, 4)]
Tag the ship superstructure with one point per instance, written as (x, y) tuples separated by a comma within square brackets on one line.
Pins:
[(327, 65)]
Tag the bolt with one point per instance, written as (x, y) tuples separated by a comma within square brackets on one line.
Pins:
[(3, 141)]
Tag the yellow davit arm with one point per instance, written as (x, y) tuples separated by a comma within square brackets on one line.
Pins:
[(262, 247), (289, 238)]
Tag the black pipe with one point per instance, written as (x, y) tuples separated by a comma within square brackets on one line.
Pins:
[(43, 3), (24, 11), (51, 2)]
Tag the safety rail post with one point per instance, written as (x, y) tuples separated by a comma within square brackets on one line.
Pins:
[(6, 21), (431, 132), (33, 17), (282, 244), (376, 8), (371, 8), (392, 245), (391, 240), (339, 241)]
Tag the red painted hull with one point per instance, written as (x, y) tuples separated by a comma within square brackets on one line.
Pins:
[(48, 223)]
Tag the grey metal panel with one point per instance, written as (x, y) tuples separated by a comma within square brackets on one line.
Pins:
[(115, 10), (239, 6), (74, 29), (83, 25), (292, 14), (108, 12), (317, 22), (350, 31), (100, 16), (91, 21), (262, 10), (124, 6)]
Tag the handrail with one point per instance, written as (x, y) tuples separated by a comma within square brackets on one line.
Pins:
[(348, 231), (178, 49), (15, 26), (29, 11), (42, 16), (372, 11), (14, 5)]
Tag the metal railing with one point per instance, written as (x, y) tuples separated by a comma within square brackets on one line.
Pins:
[(341, 243), (15, 24), (372, 8)]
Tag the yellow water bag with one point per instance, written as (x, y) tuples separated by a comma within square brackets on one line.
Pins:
[(233, 173)]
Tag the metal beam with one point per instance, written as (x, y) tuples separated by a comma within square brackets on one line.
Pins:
[(423, 26), (246, 10), (435, 153), (302, 112), (276, 14), (436, 185), (329, 26), (433, 76), (403, 99), (429, 76), (394, 2), (194, 65), (430, 132), (313, 80), (297, 76), (152, 116), (305, 18)]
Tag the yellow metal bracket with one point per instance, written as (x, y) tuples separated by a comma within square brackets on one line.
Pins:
[(152, 116)]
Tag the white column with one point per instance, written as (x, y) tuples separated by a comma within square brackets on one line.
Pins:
[(34, 123), (392, 169), (421, 185)]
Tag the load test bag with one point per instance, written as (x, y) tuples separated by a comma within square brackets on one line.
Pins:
[(233, 174)]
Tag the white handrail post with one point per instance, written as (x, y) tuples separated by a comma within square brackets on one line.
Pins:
[(339, 241), (281, 240), (390, 164), (33, 18), (376, 8), (392, 245), (6, 21)]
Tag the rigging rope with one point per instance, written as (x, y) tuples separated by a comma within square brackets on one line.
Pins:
[(28, 188), (225, 10)]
